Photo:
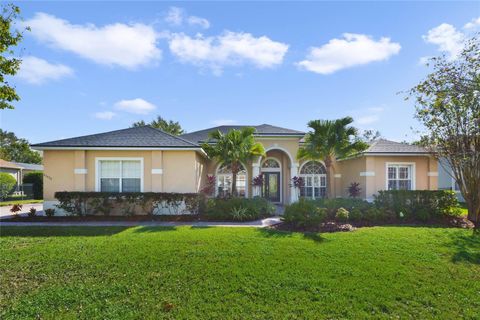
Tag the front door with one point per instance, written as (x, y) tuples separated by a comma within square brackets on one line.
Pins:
[(271, 187)]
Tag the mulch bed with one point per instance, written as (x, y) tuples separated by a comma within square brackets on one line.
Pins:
[(335, 226)]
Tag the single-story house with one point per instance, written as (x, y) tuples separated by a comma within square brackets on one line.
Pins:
[(446, 180), (18, 170), (147, 159)]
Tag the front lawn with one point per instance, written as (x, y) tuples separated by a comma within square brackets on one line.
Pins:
[(237, 273), (22, 202)]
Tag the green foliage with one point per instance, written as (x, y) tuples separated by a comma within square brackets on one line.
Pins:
[(32, 212), (172, 127), (10, 37), (7, 182), (332, 205), (330, 139), (448, 106), (234, 148), (342, 214), (36, 178), (238, 209), (50, 212), (304, 214), (356, 214), (129, 203), (17, 149), (415, 203)]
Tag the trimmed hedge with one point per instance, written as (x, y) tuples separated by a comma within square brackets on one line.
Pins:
[(419, 204), (129, 203), (35, 178), (304, 213), (238, 209)]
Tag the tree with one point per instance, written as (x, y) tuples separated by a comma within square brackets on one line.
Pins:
[(7, 182), (16, 149), (172, 127), (448, 105), (234, 148), (9, 65), (329, 140), (36, 179), (370, 135)]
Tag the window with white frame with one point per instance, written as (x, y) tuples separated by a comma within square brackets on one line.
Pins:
[(400, 176), (120, 175), (314, 177), (224, 181)]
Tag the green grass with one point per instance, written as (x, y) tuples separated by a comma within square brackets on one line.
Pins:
[(12, 202), (237, 273)]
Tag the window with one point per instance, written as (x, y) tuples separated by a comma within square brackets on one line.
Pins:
[(400, 177), (314, 177), (224, 181), (119, 175), (270, 164)]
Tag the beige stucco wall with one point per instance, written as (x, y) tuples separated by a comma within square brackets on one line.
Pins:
[(182, 170), (374, 173)]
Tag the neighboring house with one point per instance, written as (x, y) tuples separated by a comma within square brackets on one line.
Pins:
[(446, 180), (18, 170), (147, 159)]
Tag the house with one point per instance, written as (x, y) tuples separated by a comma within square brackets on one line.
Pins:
[(18, 170), (147, 159), (446, 180)]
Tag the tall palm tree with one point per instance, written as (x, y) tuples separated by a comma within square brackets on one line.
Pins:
[(329, 140), (234, 148)]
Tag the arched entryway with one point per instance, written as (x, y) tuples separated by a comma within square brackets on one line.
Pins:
[(277, 168)]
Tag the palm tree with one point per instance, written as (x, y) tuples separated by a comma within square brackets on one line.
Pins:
[(234, 148), (329, 140)]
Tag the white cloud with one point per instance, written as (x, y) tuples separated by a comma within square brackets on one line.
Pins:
[(105, 115), (37, 71), (198, 21), (447, 38), (364, 120), (125, 45), (229, 48), (174, 16), (475, 23), (138, 106), (177, 16), (223, 122), (351, 50)]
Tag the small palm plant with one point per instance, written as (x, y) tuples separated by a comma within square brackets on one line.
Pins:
[(234, 148), (329, 140)]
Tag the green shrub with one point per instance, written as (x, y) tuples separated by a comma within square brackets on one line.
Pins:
[(304, 214), (418, 204), (7, 182), (50, 212), (32, 212), (238, 209), (371, 214), (356, 214), (342, 214), (36, 179), (332, 205)]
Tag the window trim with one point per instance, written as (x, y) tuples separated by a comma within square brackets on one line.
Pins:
[(97, 169), (414, 172), (219, 165)]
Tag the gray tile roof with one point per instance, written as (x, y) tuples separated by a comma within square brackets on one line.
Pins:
[(29, 166), (260, 130), (136, 137), (387, 146)]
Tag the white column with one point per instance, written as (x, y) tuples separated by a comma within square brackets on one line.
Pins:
[(293, 190), (255, 172)]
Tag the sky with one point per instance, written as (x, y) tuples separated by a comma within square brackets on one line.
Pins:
[(91, 67)]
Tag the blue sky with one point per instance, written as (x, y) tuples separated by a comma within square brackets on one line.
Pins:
[(98, 66)]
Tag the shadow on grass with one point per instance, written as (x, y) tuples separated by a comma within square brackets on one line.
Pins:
[(467, 247), (154, 229), (59, 231), (270, 233)]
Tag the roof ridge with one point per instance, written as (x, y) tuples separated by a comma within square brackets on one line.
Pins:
[(174, 136)]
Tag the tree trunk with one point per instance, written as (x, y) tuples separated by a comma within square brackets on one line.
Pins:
[(474, 214), (328, 166), (234, 179)]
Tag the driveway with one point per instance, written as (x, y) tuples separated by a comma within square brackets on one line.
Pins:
[(5, 210)]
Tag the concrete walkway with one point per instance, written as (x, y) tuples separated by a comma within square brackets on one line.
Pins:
[(255, 224), (5, 210)]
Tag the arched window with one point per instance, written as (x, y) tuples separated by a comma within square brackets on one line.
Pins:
[(314, 176), (270, 163), (224, 181)]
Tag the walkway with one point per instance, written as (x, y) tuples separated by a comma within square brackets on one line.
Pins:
[(255, 224)]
